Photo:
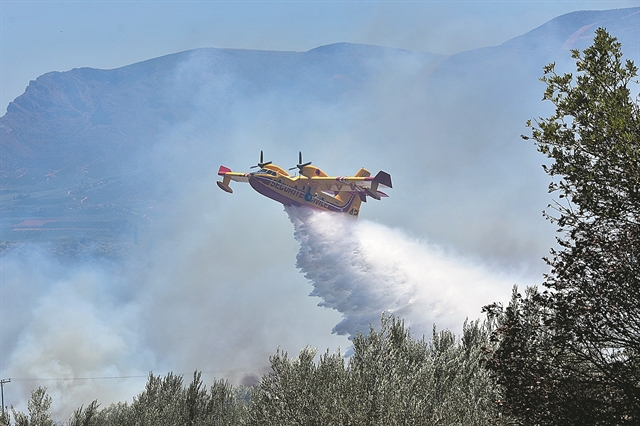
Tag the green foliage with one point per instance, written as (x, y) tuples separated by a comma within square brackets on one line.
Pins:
[(299, 391), (571, 354), (593, 137), (85, 416), (167, 401), (38, 407), (391, 378), (543, 381)]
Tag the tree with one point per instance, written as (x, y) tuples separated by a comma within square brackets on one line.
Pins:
[(85, 416), (299, 391), (571, 353), (167, 401), (391, 378), (38, 407)]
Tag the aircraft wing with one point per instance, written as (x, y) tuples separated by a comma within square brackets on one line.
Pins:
[(368, 184), (344, 183)]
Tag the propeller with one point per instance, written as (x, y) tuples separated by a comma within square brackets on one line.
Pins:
[(261, 164), (300, 164)]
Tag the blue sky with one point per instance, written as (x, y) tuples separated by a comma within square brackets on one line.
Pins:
[(41, 36)]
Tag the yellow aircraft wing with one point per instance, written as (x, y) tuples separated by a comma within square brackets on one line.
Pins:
[(368, 184)]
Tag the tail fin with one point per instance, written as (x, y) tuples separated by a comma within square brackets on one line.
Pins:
[(382, 178), (355, 199), (353, 208)]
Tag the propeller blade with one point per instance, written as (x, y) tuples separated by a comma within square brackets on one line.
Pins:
[(300, 164), (262, 163)]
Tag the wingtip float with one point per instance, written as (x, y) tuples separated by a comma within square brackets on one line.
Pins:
[(311, 187)]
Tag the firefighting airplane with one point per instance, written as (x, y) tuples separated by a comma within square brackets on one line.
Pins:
[(311, 187)]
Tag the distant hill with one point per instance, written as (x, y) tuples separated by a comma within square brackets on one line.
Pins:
[(118, 139), (90, 119)]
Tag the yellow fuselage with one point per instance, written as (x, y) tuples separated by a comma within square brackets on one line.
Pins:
[(275, 183)]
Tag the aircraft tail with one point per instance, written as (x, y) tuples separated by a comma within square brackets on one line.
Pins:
[(363, 173), (381, 179), (354, 199)]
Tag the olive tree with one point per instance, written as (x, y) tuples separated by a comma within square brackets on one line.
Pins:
[(570, 353)]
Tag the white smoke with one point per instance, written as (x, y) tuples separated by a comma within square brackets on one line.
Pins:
[(362, 269), (194, 294), (64, 323), (184, 303)]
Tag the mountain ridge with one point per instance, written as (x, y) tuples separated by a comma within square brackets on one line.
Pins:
[(129, 128)]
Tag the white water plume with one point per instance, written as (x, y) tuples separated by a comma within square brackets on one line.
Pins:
[(363, 269)]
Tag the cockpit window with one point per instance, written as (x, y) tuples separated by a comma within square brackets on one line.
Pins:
[(267, 172)]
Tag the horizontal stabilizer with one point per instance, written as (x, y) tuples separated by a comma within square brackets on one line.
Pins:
[(372, 194), (223, 170), (224, 187)]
